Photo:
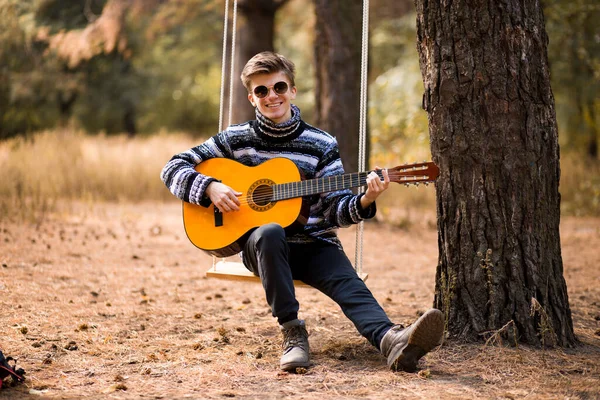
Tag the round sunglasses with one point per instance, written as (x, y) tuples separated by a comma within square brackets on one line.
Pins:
[(262, 91)]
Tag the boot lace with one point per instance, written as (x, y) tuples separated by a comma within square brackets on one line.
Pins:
[(296, 336)]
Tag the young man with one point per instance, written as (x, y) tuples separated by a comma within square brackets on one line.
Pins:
[(315, 255)]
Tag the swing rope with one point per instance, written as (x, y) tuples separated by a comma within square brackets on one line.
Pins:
[(223, 61), (231, 72), (232, 63), (358, 255), (362, 135)]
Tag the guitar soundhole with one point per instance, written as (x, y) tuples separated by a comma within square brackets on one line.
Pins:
[(261, 195)]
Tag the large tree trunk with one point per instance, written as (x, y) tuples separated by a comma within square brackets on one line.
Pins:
[(66, 100), (337, 65), (380, 10), (255, 28), (493, 134), (592, 149)]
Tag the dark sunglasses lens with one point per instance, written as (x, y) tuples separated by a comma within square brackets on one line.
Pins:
[(280, 87), (261, 91)]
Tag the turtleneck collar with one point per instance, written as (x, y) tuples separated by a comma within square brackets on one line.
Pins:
[(284, 131)]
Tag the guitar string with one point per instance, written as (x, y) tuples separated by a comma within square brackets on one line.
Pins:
[(265, 197), (392, 175), (245, 200)]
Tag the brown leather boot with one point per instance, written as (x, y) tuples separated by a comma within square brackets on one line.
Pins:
[(403, 347)]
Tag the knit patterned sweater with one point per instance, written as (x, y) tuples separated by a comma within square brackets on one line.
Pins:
[(314, 152)]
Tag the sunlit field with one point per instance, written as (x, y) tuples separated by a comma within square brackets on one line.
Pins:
[(55, 167)]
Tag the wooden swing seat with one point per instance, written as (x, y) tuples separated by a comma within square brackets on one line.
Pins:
[(236, 271)]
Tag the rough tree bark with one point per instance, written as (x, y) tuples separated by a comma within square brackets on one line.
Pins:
[(493, 133), (337, 65), (255, 31)]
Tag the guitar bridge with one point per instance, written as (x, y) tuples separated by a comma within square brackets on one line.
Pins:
[(218, 217)]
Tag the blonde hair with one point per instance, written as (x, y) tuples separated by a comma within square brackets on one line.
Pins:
[(267, 62)]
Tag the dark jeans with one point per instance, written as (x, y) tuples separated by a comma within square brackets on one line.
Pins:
[(323, 266)]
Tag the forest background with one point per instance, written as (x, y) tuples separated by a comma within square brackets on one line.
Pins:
[(103, 103)]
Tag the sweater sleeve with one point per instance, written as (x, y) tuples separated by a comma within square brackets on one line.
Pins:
[(183, 180), (342, 207)]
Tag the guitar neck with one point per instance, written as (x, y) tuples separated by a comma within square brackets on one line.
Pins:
[(321, 185)]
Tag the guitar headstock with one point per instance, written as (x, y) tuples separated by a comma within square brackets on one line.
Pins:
[(413, 174)]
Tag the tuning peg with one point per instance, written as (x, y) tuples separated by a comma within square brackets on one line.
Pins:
[(407, 184), (417, 184), (426, 183)]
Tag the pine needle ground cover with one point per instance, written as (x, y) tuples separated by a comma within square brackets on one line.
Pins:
[(111, 300)]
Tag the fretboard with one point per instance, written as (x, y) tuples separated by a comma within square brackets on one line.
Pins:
[(310, 187)]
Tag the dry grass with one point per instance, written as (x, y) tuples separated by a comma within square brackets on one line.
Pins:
[(39, 171), (111, 302), (579, 185)]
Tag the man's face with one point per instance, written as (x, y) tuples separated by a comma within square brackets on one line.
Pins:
[(275, 106)]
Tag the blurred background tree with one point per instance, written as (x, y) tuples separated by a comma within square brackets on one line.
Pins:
[(255, 33), (574, 52), (111, 66), (143, 66)]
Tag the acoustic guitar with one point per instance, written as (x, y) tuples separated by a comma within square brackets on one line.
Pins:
[(272, 192)]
